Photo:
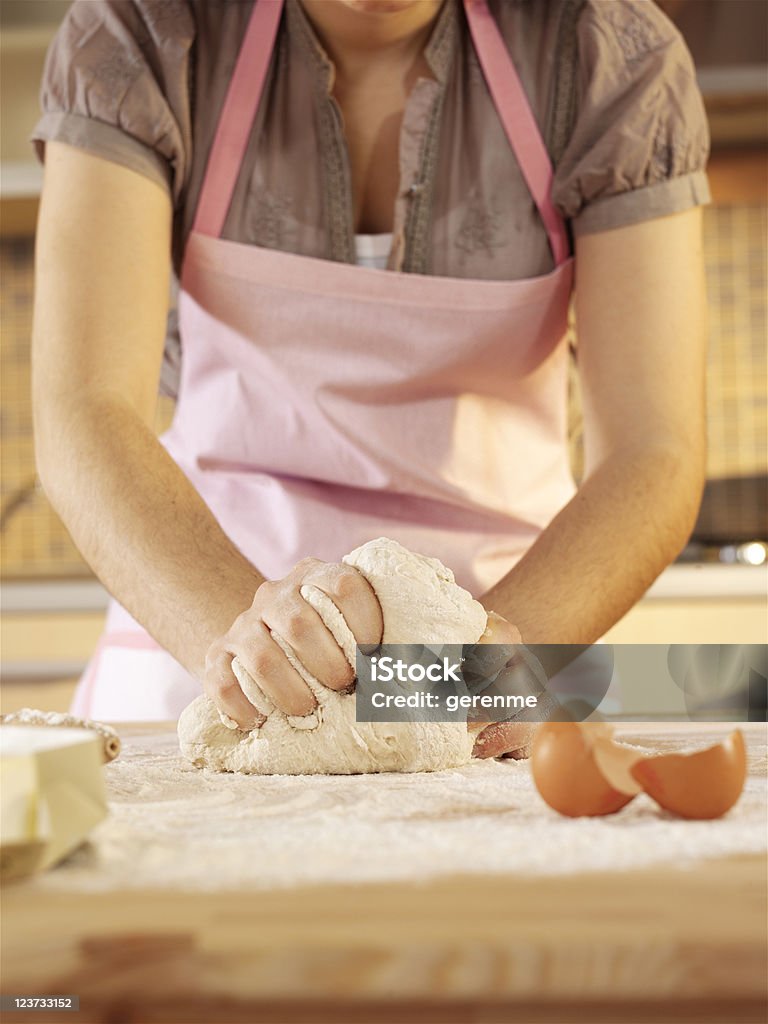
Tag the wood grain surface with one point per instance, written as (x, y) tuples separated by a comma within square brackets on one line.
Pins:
[(665, 944)]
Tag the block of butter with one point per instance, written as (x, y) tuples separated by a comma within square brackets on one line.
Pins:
[(52, 794)]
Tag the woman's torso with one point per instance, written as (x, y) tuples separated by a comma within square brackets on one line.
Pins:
[(481, 529), (461, 205), (277, 204)]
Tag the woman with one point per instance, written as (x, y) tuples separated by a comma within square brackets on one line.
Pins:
[(269, 147)]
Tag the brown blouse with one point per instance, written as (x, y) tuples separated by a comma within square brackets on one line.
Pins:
[(611, 83)]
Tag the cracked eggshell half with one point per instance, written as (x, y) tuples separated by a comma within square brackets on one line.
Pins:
[(702, 784), (580, 771)]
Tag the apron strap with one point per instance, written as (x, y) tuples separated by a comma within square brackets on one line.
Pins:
[(517, 118), (244, 94), (237, 117)]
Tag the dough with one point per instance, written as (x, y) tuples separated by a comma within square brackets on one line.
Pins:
[(420, 603)]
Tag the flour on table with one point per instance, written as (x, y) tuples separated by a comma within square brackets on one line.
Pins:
[(421, 603)]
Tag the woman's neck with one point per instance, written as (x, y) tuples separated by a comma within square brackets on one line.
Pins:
[(354, 32)]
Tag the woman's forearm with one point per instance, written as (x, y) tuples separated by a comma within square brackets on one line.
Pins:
[(599, 555), (141, 525), (101, 298), (640, 315)]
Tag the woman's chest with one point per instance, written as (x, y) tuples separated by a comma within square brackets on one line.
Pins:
[(372, 144), (372, 116), (425, 159)]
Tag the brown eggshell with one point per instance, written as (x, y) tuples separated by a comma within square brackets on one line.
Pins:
[(615, 761), (566, 774), (704, 784)]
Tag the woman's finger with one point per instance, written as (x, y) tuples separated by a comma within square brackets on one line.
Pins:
[(511, 739), (353, 595), (499, 631), (299, 625), (266, 663), (224, 690)]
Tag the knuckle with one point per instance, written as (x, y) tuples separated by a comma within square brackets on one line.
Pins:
[(265, 595), (226, 685), (218, 680), (346, 583), (262, 663), (216, 659), (296, 623), (242, 626), (304, 565)]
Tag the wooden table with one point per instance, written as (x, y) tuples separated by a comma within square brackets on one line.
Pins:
[(656, 945)]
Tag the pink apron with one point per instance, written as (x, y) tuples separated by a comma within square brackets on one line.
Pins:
[(323, 404)]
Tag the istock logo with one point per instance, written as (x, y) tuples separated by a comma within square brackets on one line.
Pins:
[(384, 670)]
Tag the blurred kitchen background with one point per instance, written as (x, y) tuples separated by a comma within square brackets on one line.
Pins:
[(52, 607)]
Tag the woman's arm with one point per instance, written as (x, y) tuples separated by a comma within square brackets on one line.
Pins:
[(101, 296), (640, 311)]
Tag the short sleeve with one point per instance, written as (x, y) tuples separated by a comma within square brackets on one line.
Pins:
[(116, 83), (640, 139)]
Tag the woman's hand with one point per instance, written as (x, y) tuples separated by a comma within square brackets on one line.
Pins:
[(511, 739), (278, 606)]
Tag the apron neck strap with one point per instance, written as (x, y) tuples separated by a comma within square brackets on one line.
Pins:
[(237, 117), (247, 84), (518, 121)]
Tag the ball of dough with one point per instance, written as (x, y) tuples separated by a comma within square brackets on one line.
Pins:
[(420, 603)]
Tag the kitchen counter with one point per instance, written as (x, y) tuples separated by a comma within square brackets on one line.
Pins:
[(699, 603), (704, 581), (291, 938), (681, 580)]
